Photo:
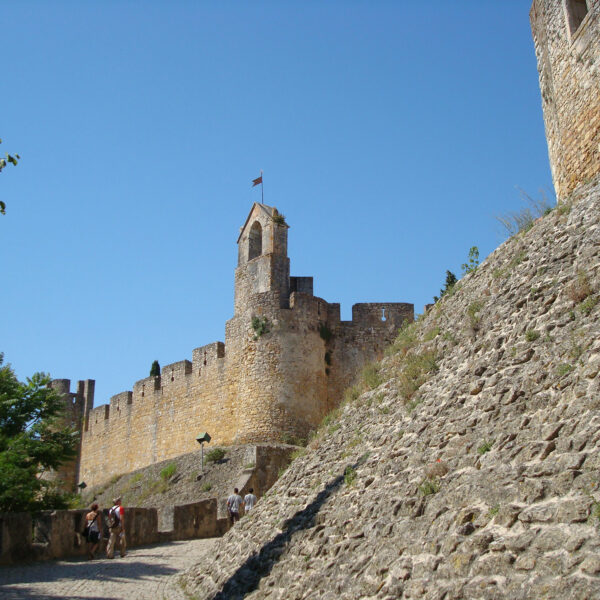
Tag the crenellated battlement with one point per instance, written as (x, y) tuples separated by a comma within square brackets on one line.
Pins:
[(286, 359)]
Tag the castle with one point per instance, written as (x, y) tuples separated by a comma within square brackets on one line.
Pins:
[(285, 363), (287, 355)]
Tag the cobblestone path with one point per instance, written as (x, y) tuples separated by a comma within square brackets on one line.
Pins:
[(146, 573)]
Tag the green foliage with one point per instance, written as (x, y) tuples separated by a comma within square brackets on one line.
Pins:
[(168, 471), (325, 332), (215, 455), (531, 335), (494, 510), (206, 487), (563, 368), (429, 487), (278, 217), (416, 370), (472, 262), (155, 369), (431, 334), (407, 339), (588, 305), (371, 375), (486, 446), (32, 441), (351, 394), (260, 326), (523, 219), (11, 159), (448, 285), (473, 311), (349, 475), (298, 453)]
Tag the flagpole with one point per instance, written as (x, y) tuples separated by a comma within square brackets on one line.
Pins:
[(262, 188)]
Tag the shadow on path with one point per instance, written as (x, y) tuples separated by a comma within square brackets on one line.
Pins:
[(248, 576)]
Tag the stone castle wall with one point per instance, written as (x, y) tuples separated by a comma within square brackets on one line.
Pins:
[(253, 388), (566, 35)]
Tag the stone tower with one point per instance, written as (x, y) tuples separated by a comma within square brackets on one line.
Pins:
[(263, 264), (566, 36), (285, 362), (77, 406)]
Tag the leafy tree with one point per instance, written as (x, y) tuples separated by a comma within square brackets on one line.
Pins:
[(471, 265), (10, 159), (32, 441), (449, 284), (155, 369)]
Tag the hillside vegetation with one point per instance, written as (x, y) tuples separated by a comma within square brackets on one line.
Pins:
[(466, 464)]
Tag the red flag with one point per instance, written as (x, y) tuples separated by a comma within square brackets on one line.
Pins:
[(257, 181)]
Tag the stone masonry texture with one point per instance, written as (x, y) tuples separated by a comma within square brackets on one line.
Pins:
[(285, 363), (568, 54), (484, 484)]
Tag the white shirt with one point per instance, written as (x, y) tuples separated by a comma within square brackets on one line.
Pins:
[(249, 501), (233, 502)]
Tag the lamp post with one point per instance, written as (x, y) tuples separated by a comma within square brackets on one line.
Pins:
[(82, 486), (201, 438)]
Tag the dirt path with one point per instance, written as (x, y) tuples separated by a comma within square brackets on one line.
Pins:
[(146, 573)]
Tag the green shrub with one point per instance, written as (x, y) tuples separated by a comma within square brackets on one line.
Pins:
[(349, 475), (352, 393), (406, 340), (260, 326), (485, 447), (416, 370), (298, 453), (207, 487), (215, 455), (429, 487), (563, 369), (371, 376), (588, 305), (473, 311), (278, 218), (531, 335), (168, 471)]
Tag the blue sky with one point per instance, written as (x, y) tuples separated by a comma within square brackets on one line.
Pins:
[(390, 133)]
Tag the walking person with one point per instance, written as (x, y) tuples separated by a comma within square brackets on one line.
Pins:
[(93, 527), (233, 506), (249, 500), (116, 525)]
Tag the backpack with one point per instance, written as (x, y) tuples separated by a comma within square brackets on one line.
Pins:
[(113, 519)]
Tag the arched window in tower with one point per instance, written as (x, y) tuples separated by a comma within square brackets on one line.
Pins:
[(255, 241)]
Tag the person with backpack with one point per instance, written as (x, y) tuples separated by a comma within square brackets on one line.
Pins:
[(93, 527), (116, 526)]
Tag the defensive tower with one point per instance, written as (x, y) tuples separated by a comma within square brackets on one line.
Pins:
[(566, 36), (285, 363)]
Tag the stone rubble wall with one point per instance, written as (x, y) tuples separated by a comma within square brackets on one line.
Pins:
[(53, 535), (569, 72), (486, 483)]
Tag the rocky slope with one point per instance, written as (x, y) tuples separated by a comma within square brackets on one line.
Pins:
[(481, 483), (175, 481)]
